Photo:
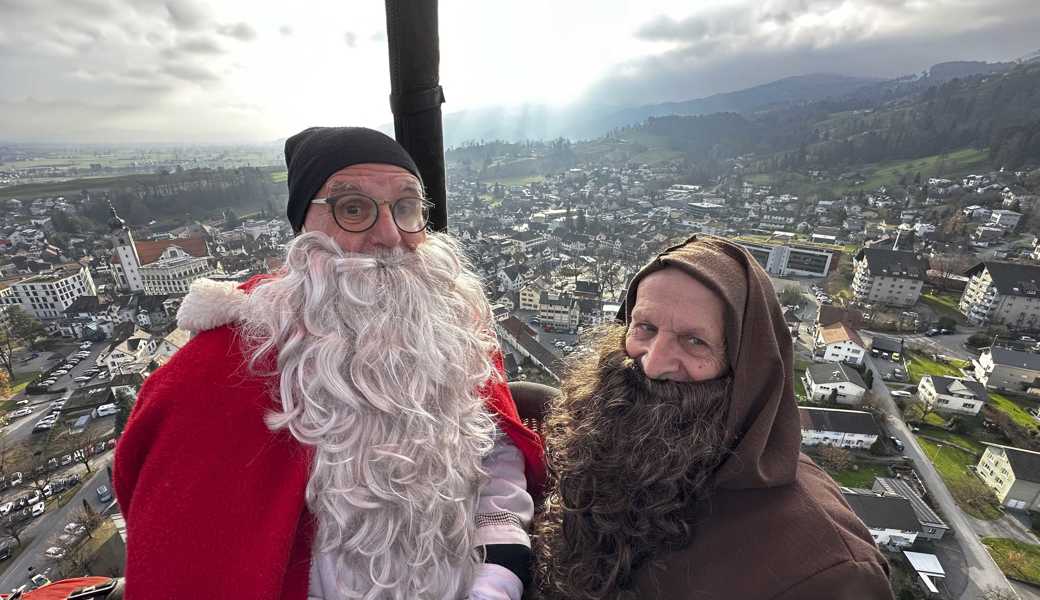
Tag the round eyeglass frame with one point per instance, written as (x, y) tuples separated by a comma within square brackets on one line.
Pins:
[(330, 201)]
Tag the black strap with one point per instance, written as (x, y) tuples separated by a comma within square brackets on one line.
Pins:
[(416, 101), (515, 557)]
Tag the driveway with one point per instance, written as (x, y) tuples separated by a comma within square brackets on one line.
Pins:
[(982, 572), (1011, 525)]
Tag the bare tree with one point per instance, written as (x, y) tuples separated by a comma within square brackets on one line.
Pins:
[(13, 525), (835, 458)]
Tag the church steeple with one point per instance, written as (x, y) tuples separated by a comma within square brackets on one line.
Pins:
[(128, 271)]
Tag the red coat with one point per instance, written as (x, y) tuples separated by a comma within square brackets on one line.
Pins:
[(213, 500)]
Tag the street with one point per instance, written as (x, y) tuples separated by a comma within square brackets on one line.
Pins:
[(39, 536), (982, 572)]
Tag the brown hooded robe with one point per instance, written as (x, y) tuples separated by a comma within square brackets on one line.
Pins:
[(775, 526)]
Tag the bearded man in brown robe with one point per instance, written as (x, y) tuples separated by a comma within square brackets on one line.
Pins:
[(673, 452)]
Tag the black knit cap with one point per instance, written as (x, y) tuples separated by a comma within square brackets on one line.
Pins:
[(314, 154)]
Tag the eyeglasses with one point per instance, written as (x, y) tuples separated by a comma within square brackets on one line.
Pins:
[(356, 213)]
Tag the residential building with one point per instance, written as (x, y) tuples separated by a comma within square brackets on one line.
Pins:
[(1003, 293), (518, 338), (175, 270), (891, 519), (1013, 474), (835, 382), (530, 297), (559, 311), (1005, 369), (892, 277), (952, 394), (47, 295), (838, 427), (1005, 219), (839, 343), (932, 526)]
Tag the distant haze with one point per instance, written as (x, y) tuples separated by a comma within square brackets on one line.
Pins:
[(235, 71)]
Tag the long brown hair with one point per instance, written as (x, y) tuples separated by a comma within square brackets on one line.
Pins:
[(629, 458)]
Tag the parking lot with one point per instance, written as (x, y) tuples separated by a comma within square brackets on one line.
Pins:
[(890, 365)]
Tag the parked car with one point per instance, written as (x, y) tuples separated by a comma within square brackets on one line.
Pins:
[(55, 553), (896, 356), (60, 372), (105, 410), (22, 402), (21, 412), (86, 345), (38, 508), (66, 460), (104, 494), (35, 497), (568, 348), (75, 528), (16, 478), (82, 379), (895, 442), (6, 508)]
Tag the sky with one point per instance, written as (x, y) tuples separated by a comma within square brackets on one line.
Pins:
[(241, 71)]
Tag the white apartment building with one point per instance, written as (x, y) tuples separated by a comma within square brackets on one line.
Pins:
[(1003, 293), (838, 427), (530, 297), (892, 277), (47, 295), (1013, 474), (1005, 369), (839, 343), (952, 394)]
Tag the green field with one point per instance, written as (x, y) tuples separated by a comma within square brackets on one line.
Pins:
[(945, 305), (1017, 560), (952, 465), (919, 365), (953, 163), (279, 176), (514, 180), (1013, 410), (862, 477)]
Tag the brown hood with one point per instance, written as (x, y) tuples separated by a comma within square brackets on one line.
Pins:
[(762, 426)]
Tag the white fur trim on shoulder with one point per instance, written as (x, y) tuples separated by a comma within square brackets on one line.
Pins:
[(210, 304)]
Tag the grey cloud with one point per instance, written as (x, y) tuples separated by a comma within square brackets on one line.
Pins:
[(185, 14), (379, 36), (240, 31), (191, 73), (707, 62), (200, 45), (351, 38)]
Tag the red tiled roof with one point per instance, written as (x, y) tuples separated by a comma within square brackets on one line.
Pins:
[(840, 332), (150, 250)]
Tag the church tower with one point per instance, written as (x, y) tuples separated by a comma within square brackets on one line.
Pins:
[(128, 276)]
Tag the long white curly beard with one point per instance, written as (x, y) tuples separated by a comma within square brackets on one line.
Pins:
[(380, 360)]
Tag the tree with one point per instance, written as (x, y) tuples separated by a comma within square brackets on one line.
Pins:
[(791, 295), (24, 327), (835, 458), (14, 525), (125, 403)]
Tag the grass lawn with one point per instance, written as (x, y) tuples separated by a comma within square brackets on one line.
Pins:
[(515, 180), (952, 163), (919, 365), (1013, 410), (952, 465), (954, 438), (20, 381), (944, 304), (279, 176), (863, 477), (799, 387), (1016, 559)]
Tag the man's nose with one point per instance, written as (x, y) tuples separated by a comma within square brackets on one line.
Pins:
[(385, 232), (658, 362)]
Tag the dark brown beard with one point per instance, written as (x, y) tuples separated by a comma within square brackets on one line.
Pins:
[(629, 459)]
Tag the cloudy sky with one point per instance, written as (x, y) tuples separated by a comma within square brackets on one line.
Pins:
[(240, 70)]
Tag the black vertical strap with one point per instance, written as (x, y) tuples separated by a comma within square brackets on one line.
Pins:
[(416, 95)]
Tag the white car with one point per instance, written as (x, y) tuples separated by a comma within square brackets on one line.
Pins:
[(86, 345), (22, 402), (60, 372), (75, 528), (21, 412), (82, 379), (16, 478), (55, 552), (38, 508), (66, 460), (6, 508), (106, 409)]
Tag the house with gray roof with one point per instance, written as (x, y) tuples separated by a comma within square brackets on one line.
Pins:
[(834, 382), (952, 394), (932, 526), (1006, 369), (891, 519), (837, 427), (892, 277), (1013, 474), (1003, 293)]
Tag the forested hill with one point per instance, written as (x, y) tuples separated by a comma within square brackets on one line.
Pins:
[(997, 111)]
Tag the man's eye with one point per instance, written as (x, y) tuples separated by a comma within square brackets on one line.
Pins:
[(694, 341), (643, 328)]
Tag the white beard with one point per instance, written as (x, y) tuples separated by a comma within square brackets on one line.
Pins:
[(380, 361)]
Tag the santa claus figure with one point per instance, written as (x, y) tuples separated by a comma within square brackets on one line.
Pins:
[(341, 428)]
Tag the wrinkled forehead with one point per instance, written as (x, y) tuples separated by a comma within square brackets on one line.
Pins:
[(687, 303), (372, 179)]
